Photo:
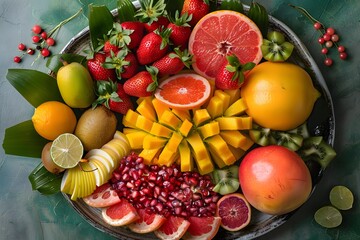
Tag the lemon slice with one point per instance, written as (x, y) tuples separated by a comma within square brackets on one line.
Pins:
[(66, 150), (341, 197), (328, 217)]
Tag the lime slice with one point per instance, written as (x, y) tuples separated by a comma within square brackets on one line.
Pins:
[(66, 150), (328, 217), (341, 197)]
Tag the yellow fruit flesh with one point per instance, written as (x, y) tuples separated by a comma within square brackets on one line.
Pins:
[(199, 139)]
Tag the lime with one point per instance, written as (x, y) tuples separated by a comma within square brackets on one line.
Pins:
[(341, 197), (66, 150), (328, 217)]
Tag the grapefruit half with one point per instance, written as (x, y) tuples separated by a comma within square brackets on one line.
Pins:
[(221, 33)]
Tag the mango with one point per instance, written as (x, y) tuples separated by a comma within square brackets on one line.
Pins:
[(76, 85)]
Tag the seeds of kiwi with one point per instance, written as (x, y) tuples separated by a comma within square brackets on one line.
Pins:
[(328, 217), (226, 186), (341, 197)]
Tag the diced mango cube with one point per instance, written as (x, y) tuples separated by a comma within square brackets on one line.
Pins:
[(143, 123), (225, 98), (234, 94), (236, 139), (127, 130), (167, 156), (136, 139), (209, 129), (186, 161), (169, 119), (237, 108), (151, 142), (130, 118), (218, 145), (234, 123), (174, 141), (182, 114), (201, 116), (215, 107), (160, 130), (149, 154), (146, 109), (185, 127), (159, 107), (215, 157), (237, 152)]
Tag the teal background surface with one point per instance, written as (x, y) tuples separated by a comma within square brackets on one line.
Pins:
[(25, 214)]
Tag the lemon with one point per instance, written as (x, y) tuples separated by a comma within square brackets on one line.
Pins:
[(66, 150)]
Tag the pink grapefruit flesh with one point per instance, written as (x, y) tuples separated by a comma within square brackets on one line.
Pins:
[(120, 214), (173, 228), (202, 228), (103, 196), (148, 222), (221, 33)]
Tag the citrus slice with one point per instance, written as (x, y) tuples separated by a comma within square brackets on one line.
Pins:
[(173, 228), (184, 91), (120, 214), (202, 228), (328, 217), (341, 197), (221, 33), (66, 150), (148, 222)]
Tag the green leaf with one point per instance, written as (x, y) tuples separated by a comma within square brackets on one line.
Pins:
[(23, 140), (54, 63), (259, 15), (100, 23), (35, 86), (44, 181), (234, 5), (126, 10)]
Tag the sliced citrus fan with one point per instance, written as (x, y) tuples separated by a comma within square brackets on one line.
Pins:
[(223, 33)]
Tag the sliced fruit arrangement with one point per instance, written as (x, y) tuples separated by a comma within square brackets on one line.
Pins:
[(208, 135)]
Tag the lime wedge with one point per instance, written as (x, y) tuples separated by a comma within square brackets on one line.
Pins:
[(66, 150), (341, 197), (328, 217)]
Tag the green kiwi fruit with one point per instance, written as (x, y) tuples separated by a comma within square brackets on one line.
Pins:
[(226, 180)]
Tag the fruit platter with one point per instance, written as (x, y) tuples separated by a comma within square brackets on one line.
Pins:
[(192, 134)]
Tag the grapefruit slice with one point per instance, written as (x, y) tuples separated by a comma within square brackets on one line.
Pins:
[(184, 91), (202, 228), (103, 196), (120, 214), (221, 33), (148, 222), (234, 211), (173, 228)]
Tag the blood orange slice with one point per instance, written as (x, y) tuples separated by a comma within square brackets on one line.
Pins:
[(103, 196), (222, 33), (173, 228), (148, 222), (120, 214), (234, 210), (202, 228), (184, 91)]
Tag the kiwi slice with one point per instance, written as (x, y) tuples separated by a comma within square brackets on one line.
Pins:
[(262, 136), (275, 48), (316, 149), (226, 186), (226, 180)]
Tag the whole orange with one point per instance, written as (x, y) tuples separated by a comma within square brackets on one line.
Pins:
[(279, 96), (53, 118)]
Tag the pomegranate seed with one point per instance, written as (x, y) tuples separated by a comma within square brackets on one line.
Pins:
[(135, 194), (159, 207), (125, 177)]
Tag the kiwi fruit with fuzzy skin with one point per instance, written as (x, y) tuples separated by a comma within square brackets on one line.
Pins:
[(96, 127), (47, 160)]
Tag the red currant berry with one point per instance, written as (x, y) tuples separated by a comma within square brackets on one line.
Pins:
[(36, 39), (330, 31), (328, 61), (21, 47), (317, 25), (50, 41), (341, 49), (335, 38), (329, 44), (324, 51), (36, 29), (30, 51), (343, 55), (45, 52), (43, 35), (326, 37), (321, 40), (17, 59)]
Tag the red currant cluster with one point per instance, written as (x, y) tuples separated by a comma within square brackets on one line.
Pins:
[(42, 42), (328, 39)]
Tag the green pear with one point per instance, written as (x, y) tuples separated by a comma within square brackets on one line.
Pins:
[(76, 85)]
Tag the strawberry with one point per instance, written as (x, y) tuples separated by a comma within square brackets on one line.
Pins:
[(180, 30), (196, 8), (143, 84), (153, 46), (126, 34), (97, 70), (106, 46), (173, 62), (154, 16), (231, 73), (124, 62), (113, 96)]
